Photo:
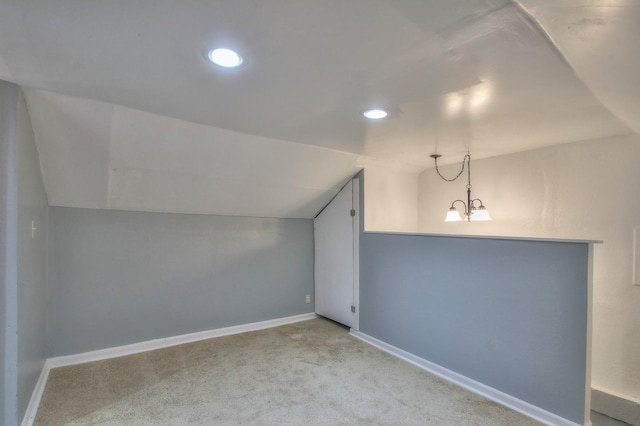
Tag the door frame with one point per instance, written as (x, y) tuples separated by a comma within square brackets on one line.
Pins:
[(354, 184), (356, 251)]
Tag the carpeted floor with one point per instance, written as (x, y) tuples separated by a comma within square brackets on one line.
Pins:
[(308, 373)]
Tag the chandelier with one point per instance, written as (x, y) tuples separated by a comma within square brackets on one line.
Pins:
[(472, 212)]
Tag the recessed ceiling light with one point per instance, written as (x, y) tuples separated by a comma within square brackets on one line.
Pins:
[(225, 58), (375, 113)]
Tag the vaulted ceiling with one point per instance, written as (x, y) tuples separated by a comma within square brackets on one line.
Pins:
[(128, 113)]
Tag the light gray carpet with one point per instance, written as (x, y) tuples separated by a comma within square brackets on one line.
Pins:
[(308, 373)]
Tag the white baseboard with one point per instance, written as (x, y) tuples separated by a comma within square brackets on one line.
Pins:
[(151, 345), (615, 405), (509, 401), (36, 396), (63, 361)]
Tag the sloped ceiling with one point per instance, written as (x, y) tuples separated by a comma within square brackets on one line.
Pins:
[(599, 40), (129, 114)]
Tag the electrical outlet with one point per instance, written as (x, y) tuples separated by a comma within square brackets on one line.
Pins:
[(307, 298)]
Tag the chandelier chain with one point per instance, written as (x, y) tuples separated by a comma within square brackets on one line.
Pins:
[(464, 160)]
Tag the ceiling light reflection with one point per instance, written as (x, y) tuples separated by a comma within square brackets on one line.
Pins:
[(471, 100), (479, 97), (454, 103)]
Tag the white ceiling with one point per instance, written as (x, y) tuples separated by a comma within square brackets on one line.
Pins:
[(129, 114)]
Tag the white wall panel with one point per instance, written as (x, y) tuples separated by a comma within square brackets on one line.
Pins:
[(73, 137), (165, 164), (96, 155), (391, 197)]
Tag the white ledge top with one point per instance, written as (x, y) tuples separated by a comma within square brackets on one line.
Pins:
[(489, 237)]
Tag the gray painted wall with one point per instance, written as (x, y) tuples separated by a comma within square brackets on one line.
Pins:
[(124, 277), (32, 261), (8, 252), (508, 314), (24, 259)]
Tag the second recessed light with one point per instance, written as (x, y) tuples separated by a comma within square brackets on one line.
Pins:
[(375, 113), (225, 58)]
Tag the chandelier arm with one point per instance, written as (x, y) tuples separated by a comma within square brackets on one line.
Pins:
[(460, 201), (477, 199)]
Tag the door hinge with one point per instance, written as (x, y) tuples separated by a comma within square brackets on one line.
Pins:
[(353, 309), (353, 212)]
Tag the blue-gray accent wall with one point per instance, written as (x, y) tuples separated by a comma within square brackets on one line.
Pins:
[(8, 256), (125, 277), (24, 257), (33, 210), (510, 314)]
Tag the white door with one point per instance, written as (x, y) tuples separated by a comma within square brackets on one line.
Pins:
[(336, 255)]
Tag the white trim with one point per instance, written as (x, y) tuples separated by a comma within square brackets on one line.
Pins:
[(509, 401), (487, 237), (615, 405), (356, 252), (589, 339), (150, 345), (635, 270), (36, 396)]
